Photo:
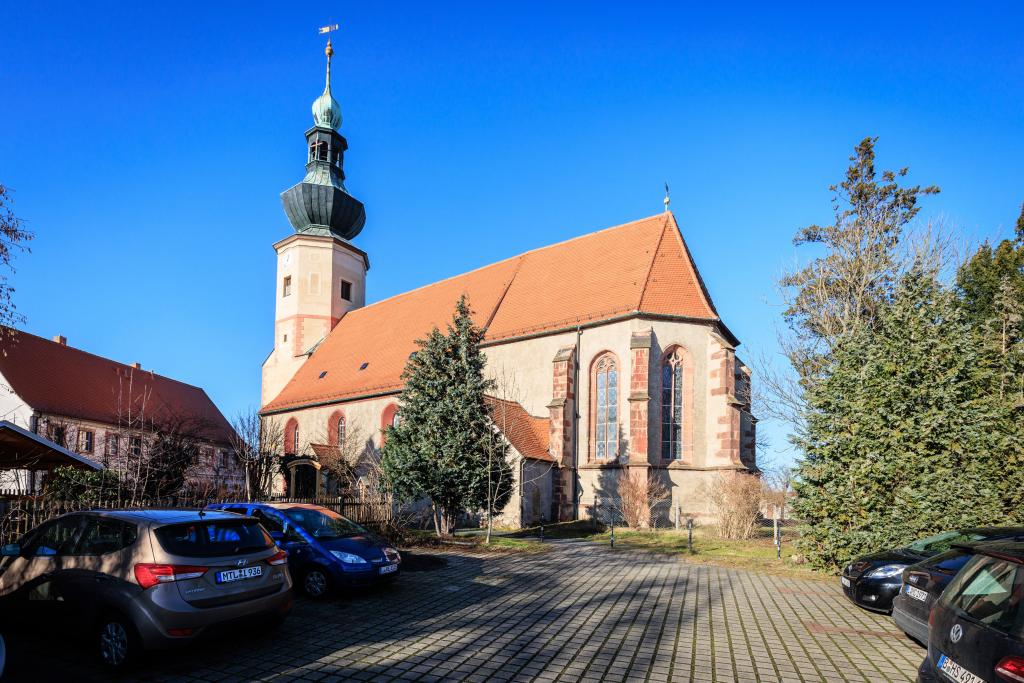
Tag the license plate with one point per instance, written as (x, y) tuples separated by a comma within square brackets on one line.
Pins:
[(915, 593), (239, 574), (845, 581), (957, 672), (388, 569)]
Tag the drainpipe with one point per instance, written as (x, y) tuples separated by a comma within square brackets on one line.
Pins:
[(576, 428)]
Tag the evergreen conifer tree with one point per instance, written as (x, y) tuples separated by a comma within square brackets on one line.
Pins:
[(440, 447), (902, 437)]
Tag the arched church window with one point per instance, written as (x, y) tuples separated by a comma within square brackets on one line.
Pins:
[(672, 396), (291, 437), (341, 431), (604, 408)]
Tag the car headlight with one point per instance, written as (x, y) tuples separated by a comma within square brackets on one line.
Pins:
[(886, 571), (392, 555), (348, 558)]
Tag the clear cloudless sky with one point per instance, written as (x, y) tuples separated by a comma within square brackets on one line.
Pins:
[(147, 145)]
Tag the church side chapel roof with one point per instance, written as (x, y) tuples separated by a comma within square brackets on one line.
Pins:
[(57, 379), (639, 267), (528, 434)]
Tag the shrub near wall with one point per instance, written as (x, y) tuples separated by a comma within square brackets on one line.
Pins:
[(736, 500)]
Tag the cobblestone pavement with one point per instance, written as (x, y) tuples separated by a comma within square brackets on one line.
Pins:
[(577, 613)]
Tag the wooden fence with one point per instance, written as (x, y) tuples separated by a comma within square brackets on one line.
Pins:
[(20, 513)]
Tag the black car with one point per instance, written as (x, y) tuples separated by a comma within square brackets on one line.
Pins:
[(874, 580), (976, 624)]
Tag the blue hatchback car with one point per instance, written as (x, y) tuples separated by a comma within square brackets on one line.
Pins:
[(325, 549)]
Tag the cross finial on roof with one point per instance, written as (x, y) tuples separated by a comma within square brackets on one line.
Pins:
[(667, 197)]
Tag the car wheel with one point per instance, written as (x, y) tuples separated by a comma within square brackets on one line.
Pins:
[(315, 583), (117, 642)]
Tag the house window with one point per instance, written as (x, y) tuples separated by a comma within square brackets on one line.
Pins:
[(135, 446), (604, 408), (57, 434), (286, 288), (346, 290), (85, 440), (111, 444), (672, 406), (225, 460)]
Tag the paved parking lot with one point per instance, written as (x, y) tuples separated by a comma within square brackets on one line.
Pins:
[(577, 613)]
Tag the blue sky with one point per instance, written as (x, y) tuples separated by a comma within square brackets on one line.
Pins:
[(147, 146)]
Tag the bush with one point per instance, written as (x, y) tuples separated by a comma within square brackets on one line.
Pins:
[(736, 501), (80, 486), (638, 498)]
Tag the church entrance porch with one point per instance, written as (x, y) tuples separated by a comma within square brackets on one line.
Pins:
[(304, 478)]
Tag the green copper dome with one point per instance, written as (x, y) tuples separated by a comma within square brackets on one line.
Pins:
[(320, 204), (326, 110)]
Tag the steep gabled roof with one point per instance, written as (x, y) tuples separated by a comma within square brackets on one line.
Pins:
[(61, 380), (528, 434), (638, 267)]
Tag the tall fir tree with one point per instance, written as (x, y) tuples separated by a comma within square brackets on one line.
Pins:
[(445, 446), (902, 436)]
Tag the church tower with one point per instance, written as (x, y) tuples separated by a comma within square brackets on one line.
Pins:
[(321, 275)]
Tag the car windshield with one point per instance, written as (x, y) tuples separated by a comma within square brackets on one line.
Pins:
[(942, 542), (323, 523)]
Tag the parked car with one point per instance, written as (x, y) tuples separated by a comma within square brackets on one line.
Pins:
[(141, 579), (976, 630), (873, 581), (924, 581), (325, 549)]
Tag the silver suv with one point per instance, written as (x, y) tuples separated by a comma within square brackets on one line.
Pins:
[(141, 579)]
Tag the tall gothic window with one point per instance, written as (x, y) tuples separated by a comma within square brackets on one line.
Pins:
[(341, 431), (672, 406), (605, 391)]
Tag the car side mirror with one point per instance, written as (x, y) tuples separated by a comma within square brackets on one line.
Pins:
[(10, 550)]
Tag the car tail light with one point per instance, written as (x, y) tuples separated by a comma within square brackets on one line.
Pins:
[(281, 557), (1011, 669), (149, 575), (180, 632)]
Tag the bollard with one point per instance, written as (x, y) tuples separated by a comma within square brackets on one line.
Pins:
[(778, 538), (689, 529), (542, 531), (613, 535)]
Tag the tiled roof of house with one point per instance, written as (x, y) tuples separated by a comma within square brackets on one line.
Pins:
[(528, 434), (57, 379), (638, 267)]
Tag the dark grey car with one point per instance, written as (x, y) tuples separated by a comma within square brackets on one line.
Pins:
[(139, 579)]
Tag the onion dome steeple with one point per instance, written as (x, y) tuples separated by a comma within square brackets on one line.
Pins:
[(326, 110), (320, 204)]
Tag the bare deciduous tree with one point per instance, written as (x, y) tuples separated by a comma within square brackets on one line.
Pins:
[(13, 237), (258, 444)]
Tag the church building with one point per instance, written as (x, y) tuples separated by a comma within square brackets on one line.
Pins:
[(609, 356)]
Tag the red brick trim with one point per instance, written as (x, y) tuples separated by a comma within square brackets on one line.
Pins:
[(387, 419), (332, 427), (291, 427)]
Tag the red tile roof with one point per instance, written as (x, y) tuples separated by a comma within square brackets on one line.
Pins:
[(528, 434), (61, 380), (638, 267)]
